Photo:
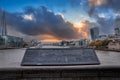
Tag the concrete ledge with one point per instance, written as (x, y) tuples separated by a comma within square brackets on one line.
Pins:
[(10, 68)]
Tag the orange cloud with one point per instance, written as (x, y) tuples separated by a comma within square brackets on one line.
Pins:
[(97, 2), (49, 38), (83, 28)]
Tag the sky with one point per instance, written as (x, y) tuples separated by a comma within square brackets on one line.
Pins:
[(55, 20), (69, 8)]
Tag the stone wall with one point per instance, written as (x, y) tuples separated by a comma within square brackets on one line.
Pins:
[(76, 74)]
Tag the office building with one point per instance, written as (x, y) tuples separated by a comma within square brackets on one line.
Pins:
[(117, 31), (3, 24), (117, 27), (94, 32), (7, 41)]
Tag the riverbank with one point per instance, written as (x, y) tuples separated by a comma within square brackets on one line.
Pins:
[(113, 50), (9, 48)]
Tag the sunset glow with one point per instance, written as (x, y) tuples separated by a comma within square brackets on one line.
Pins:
[(82, 29), (49, 38), (79, 25), (49, 21), (97, 2)]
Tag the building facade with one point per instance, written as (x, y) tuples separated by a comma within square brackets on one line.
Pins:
[(82, 43), (94, 32), (10, 42), (7, 41), (114, 45), (117, 31), (117, 27)]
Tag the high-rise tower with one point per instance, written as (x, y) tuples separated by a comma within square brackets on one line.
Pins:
[(3, 24), (94, 32), (117, 27)]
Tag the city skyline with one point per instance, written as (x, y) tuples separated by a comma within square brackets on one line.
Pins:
[(55, 20)]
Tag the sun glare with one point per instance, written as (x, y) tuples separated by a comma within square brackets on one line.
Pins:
[(49, 38), (79, 25)]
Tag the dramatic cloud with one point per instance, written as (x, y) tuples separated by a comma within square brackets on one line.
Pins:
[(102, 15), (41, 21), (51, 23), (105, 12), (103, 5), (97, 2), (84, 28), (75, 3), (28, 17)]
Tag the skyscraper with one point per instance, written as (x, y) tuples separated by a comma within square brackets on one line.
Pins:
[(94, 32), (117, 26), (3, 24), (117, 31)]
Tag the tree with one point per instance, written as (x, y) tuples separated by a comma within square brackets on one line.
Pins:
[(100, 43)]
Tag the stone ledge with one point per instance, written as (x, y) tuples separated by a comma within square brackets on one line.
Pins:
[(21, 74)]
